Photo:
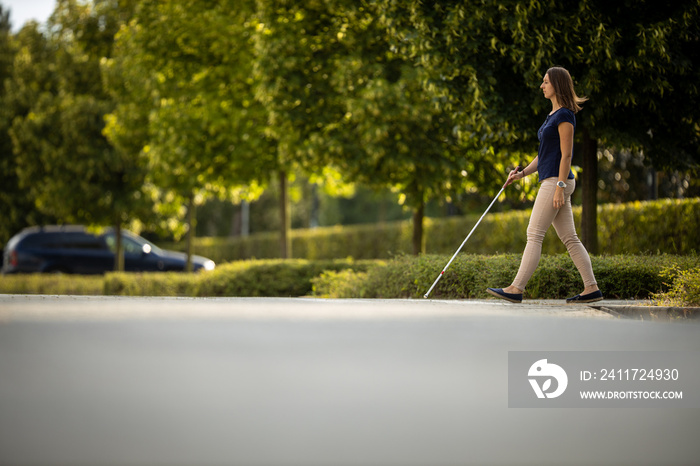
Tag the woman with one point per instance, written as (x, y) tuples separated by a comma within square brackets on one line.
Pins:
[(553, 203)]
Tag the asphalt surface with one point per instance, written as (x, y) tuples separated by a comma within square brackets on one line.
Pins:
[(159, 381)]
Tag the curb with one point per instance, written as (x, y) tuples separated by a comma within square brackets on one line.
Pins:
[(652, 313)]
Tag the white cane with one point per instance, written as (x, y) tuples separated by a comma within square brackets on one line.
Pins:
[(467, 238)]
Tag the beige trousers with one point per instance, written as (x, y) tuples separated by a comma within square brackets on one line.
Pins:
[(543, 215)]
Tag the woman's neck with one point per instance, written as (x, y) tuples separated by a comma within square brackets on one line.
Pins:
[(555, 105)]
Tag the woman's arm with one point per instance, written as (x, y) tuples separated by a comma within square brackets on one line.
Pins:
[(566, 138), (566, 144)]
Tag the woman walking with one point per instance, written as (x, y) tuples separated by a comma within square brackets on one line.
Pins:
[(553, 202)]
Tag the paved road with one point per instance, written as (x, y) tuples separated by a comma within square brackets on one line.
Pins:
[(138, 381)]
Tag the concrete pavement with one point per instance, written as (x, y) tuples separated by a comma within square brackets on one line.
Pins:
[(143, 381), (58, 307)]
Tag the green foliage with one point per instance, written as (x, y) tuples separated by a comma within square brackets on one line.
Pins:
[(487, 58), (28, 58), (666, 226), (428, 98), (684, 289), (13, 202), (180, 76), (51, 284), (336, 284), (270, 278), (671, 280), (374, 241), (151, 284), (246, 278), (338, 95), (63, 166), (619, 277)]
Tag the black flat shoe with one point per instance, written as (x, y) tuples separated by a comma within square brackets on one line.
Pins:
[(587, 298), (512, 297)]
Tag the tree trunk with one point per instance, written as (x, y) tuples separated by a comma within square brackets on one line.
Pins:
[(118, 247), (589, 184), (653, 183), (314, 218), (417, 238), (245, 218), (191, 222), (285, 218)]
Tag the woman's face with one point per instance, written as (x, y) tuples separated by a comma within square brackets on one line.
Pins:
[(547, 87)]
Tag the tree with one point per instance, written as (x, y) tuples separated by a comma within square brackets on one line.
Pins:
[(338, 97), (17, 56), (487, 58), (293, 51), (391, 134), (181, 80), (62, 158)]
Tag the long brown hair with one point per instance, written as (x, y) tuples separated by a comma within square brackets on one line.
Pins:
[(564, 88)]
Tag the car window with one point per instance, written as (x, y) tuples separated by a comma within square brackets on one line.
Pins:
[(51, 240), (130, 246), (80, 240)]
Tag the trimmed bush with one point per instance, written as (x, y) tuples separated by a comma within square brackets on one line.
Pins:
[(152, 283), (668, 278), (665, 226), (622, 277), (669, 226), (271, 278), (51, 284), (375, 241)]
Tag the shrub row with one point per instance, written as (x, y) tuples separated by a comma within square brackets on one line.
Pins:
[(666, 278), (664, 226), (52, 284), (375, 241), (256, 278), (619, 277)]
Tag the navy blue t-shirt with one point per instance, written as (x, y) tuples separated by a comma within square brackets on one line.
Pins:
[(549, 153)]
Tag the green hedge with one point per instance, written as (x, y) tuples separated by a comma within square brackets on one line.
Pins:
[(673, 280), (619, 277), (664, 226), (52, 284), (270, 278), (376, 241)]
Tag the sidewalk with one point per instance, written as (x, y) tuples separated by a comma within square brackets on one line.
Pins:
[(53, 307), (633, 309)]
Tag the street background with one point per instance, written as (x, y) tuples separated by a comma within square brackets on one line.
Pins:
[(136, 381)]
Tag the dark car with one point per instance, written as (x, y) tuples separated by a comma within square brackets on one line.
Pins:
[(74, 249)]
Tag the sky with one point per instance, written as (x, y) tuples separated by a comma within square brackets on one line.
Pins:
[(22, 11)]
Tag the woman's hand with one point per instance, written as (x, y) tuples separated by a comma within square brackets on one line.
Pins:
[(559, 198), (514, 175)]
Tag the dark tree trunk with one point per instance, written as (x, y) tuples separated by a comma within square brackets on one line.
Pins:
[(589, 185), (118, 248), (285, 218), (191, 223), (417, 238), (653, 183)]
